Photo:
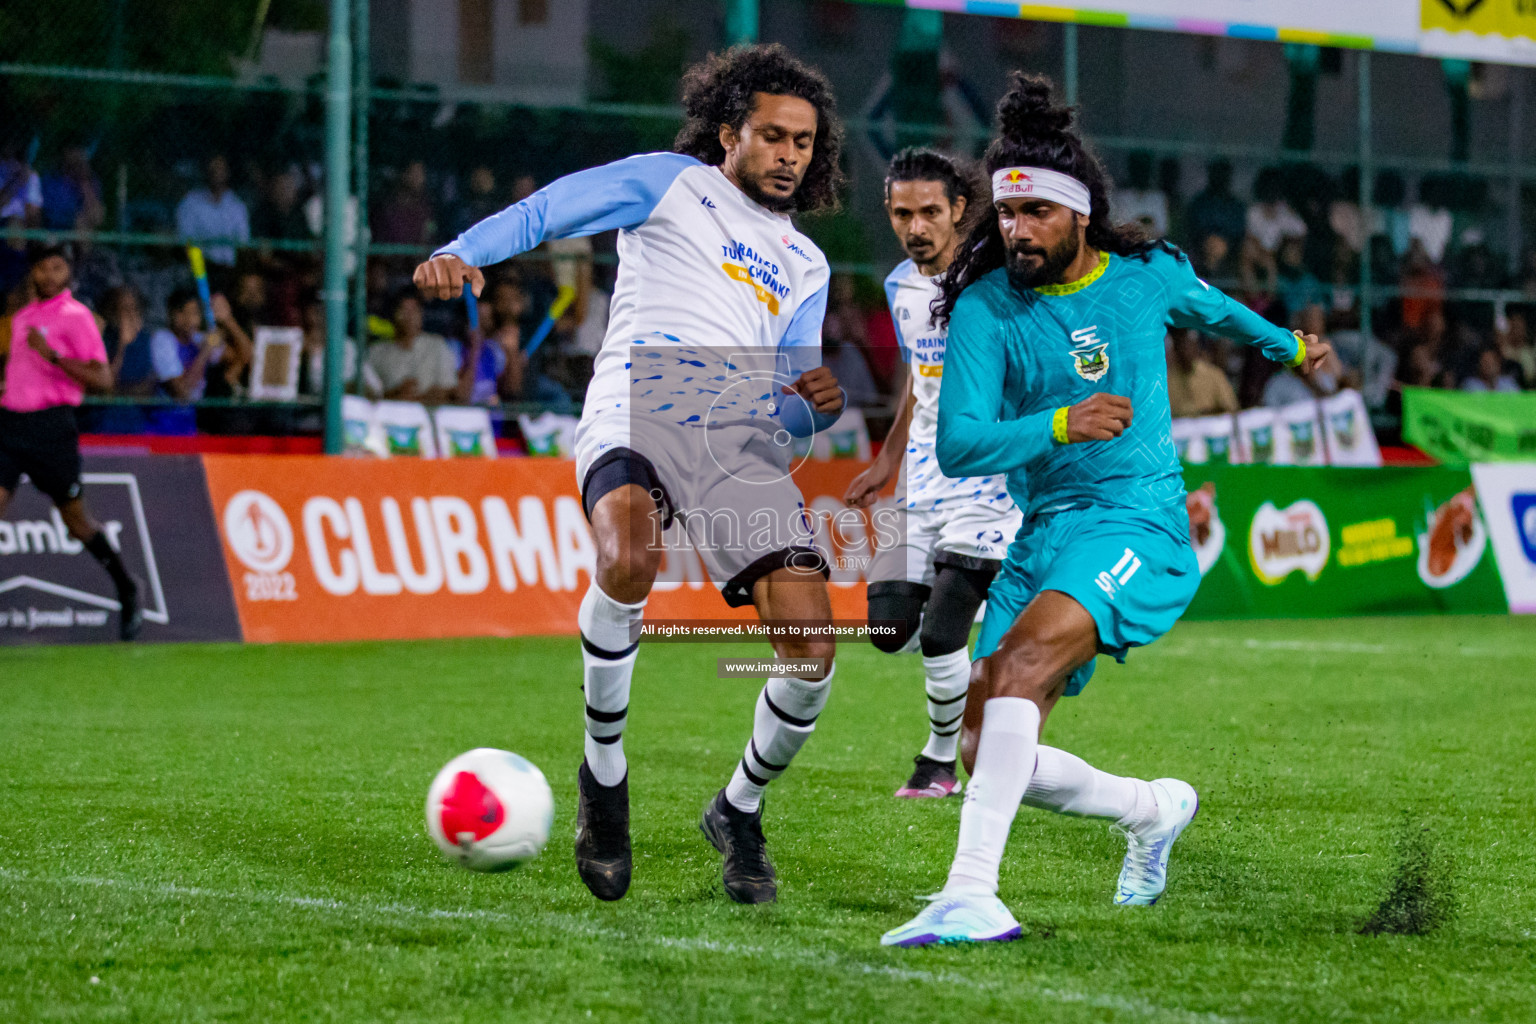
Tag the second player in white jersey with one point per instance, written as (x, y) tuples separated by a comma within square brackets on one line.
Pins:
[(955, 530)]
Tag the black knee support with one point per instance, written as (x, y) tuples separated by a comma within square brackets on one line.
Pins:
[(896, 603), (957, 594)]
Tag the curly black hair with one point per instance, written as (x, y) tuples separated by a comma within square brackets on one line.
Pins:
[(722, 89), (1035, 132), (959, 178)]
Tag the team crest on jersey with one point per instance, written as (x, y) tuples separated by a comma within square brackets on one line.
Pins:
[(1091, 356)]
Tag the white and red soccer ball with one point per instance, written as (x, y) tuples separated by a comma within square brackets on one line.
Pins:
[(489, 810)]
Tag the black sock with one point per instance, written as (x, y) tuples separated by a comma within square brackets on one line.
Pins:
[(101, 550)]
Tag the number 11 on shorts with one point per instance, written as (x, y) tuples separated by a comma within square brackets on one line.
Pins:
[(1121, 574)]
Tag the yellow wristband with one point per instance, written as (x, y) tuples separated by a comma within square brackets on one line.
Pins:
[(1301, 351), (1059, 426)]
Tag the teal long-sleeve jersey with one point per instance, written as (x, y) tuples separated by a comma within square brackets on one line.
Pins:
[(1015, 358)]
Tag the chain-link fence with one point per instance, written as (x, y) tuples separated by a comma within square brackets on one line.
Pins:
[(1385, 199)]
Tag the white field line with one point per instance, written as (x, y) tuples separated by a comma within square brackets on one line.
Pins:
[(572, 925), (1197, 646)]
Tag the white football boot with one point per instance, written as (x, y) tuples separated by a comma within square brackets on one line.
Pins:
[(1144, 875), (965, 917)]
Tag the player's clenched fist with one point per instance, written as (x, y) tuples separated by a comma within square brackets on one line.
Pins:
[(443, 277), (1098, 418), (819, 387)]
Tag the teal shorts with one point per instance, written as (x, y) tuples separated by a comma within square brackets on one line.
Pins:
[(1134, 572)]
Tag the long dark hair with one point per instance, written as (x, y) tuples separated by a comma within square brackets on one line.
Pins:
[(722, 88), (1035, 132)]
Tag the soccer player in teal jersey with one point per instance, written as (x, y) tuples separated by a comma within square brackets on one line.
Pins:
[(1056, 375)]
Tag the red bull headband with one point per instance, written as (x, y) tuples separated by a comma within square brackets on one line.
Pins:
[(1042, 183)]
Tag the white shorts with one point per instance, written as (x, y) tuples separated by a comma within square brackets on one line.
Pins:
[(728, 487), (969, 535)]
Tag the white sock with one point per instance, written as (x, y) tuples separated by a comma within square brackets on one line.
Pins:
[(1067, 784), (1005, 758), (948, 676), (609, 645), (784, 720)]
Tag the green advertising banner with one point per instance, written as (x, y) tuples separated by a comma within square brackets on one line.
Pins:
[(1290, 542), (1458, 427)]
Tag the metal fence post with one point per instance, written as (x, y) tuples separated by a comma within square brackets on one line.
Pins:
[(1367, 185), (741, 21), (338, 118), (361, 83)]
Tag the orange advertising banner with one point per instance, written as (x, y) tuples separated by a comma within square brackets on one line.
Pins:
[(325, 549)]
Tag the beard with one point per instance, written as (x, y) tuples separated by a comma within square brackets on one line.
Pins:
[(1025, 273), (753, 186)]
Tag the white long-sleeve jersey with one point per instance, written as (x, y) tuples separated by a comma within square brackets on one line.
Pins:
[(910, 294), (701, 266)]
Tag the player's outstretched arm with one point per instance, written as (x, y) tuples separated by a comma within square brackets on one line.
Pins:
[(1194, 304), (617, 195), (973, 438)]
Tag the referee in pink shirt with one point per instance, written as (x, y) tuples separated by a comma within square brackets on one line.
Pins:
[(56, 353)]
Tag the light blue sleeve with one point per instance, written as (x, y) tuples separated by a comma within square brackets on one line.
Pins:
[(617, 195), (973, 438), (801, 349), (164, 357), (892, 286), (1194, 304)]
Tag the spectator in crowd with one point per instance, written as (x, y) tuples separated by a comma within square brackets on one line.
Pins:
[(185, 357), (479, 202), (312, 356), (405, 217), (128, 342), (1423, 284), (1345, 216), (1513, 335), (280, 212), (21, 206), (214, 212), (1295, 285), (1371, 362), (415, 365), (1270, 220), (72, 194), (1137, 202), (1490, 375), (1430, 221), (1390, 197), (1196, 387), (250, 302), (492, 370), (1216, 214), (1525, 279)]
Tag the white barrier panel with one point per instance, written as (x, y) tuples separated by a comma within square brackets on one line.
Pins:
[(465, 432), (1507, 493), (1351, 441), (407, 428)]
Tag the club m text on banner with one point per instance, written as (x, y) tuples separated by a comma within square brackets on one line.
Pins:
[(1459, 428), (347, 549), (155, 511)]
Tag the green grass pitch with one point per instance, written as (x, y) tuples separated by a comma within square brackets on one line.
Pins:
[(223, 833)]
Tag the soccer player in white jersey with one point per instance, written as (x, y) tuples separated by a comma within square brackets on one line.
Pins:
[(676, 426), (955, 531)]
